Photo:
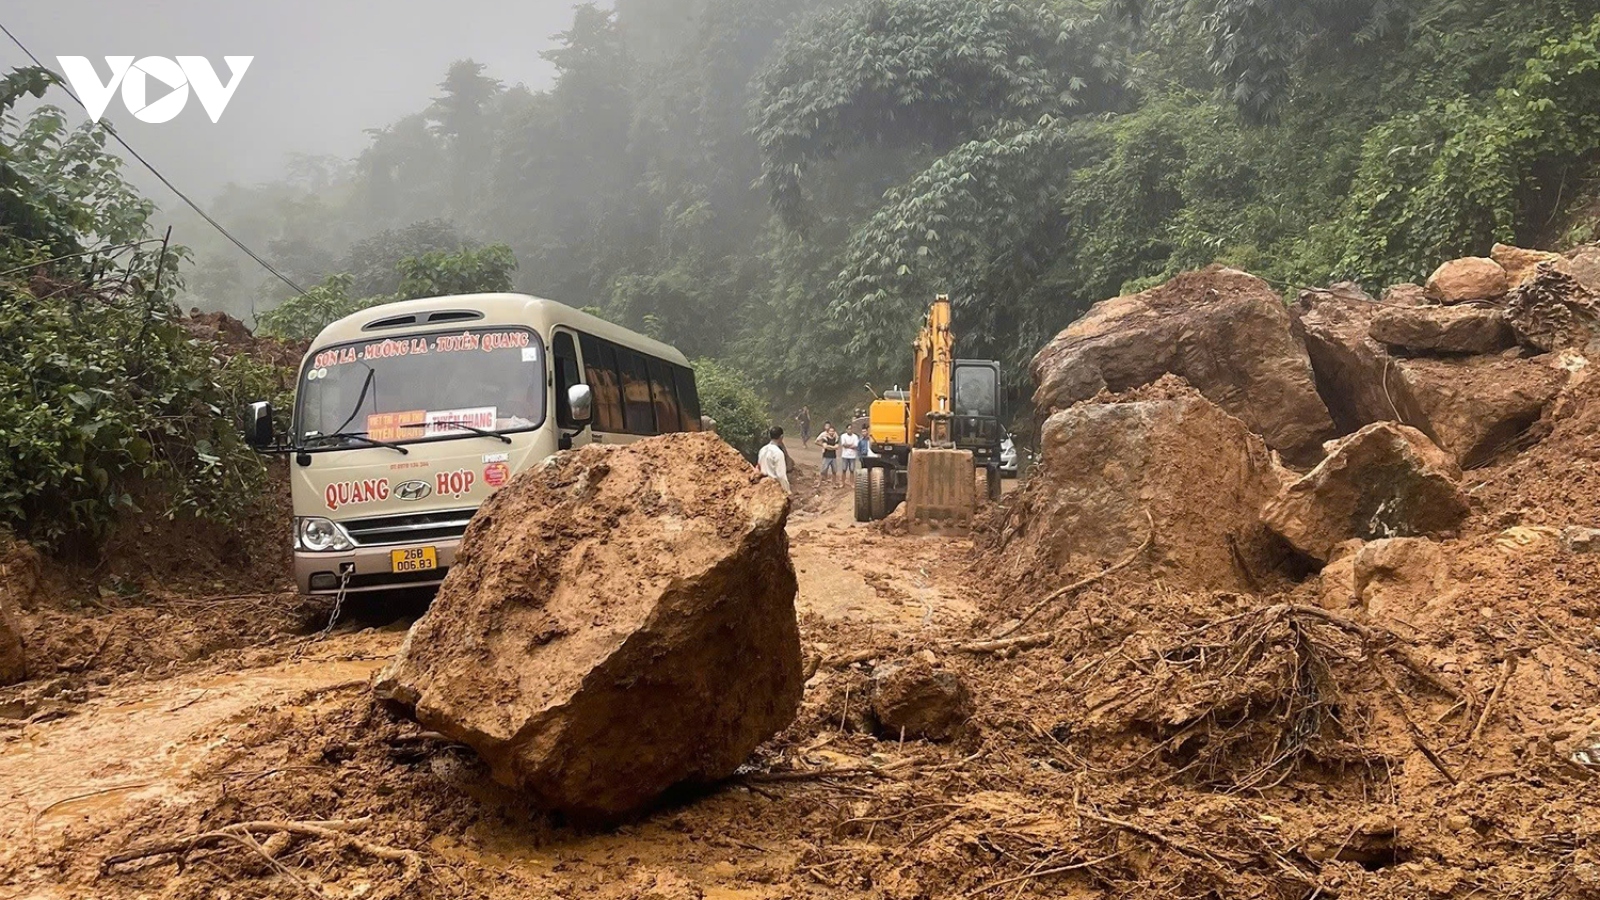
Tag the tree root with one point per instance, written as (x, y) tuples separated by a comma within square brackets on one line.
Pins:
[(243, 833)]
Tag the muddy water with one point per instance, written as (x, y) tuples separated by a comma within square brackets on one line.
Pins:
[(141, 741)]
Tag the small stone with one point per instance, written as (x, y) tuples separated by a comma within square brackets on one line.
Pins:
[(1580, 540), (917, 700)]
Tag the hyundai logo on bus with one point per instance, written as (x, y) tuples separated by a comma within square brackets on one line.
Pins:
[(134, 77), (413, 490)]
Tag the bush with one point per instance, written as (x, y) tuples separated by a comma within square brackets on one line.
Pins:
[(728, 396), (104, 395)]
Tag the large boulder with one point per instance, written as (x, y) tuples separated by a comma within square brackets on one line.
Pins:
[(1226, 332), (1471, 278), (1552, 310), (1384, 481), (1583, 263), (1472, 406), (619, 620), (1520, 263), (1443, 329), (1161, 454)]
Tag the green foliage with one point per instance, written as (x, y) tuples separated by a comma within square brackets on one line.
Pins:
[(785, 184), (917, 70), (301, 318), (437, 274), (106, 396), (730, 398), (482, 270), (1460, 174)]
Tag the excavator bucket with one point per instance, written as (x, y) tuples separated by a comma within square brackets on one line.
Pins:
[(941, 487)]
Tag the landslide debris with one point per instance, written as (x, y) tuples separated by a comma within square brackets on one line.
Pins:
[(1224, 331), (620, 620), (1386, 480), (1473, 405), (1110, 467)]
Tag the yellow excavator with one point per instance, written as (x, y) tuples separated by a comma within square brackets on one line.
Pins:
[(928, 441)]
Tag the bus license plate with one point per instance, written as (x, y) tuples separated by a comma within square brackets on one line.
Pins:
[(416, 559)]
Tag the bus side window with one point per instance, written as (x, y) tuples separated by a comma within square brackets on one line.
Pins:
[(688, 398), (600, 363), (565, 354), (639, 414), (665, 396)]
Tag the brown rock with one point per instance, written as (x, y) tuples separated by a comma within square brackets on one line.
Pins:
[(1386, 480), (1583, 263), (1224, 331), (1520, 263), (1471, 278), (1471, 406), (619, 620), (1553, 311), (1400, 577), (1337, 581), (1406, 295), (1162, 450), (1443, 329), (914, 699)]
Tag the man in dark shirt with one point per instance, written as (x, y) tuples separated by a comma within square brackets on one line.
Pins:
[(828, 440)]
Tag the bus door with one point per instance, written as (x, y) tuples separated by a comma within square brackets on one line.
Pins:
[(568, 372)]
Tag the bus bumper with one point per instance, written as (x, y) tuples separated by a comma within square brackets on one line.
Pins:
[(370, 568)]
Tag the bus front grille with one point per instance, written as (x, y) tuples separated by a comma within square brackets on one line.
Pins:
[(409, 529)]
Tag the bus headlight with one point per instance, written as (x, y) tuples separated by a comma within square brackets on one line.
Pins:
[(318, 534)]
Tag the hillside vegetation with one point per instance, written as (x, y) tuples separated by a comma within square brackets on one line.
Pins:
[(805, 173)]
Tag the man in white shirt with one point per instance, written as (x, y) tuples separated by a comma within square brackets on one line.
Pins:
[(773, 459), (849, 452)]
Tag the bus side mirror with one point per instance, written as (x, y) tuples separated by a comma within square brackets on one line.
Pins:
[(580, 399), (258, 430)]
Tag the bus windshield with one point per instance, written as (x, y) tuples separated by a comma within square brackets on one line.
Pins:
[(422, 387)]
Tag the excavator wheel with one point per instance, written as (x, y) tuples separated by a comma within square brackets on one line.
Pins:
[(879, 487), (864, 495)]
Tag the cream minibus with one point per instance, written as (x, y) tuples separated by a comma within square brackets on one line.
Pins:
[(408, 415)]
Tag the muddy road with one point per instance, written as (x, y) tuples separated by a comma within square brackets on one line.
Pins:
[(155, 750)]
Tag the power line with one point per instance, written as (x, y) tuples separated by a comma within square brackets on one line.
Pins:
[(106, 124)]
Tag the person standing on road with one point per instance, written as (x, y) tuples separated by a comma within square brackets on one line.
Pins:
[(828, 440), (773, 459), (849, 450), (804, 418)]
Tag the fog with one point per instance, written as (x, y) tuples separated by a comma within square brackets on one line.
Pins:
[(323, 71)]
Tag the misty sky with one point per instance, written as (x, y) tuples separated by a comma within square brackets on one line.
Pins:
[(322, 72)]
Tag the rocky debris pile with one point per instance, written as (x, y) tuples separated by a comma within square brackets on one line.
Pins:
[(1451, 372), (1161, 455), (1384, 481), (619, 620), (1224, 331), (917, 699)]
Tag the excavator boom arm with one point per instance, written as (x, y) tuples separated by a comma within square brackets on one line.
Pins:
[(933, 368)]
